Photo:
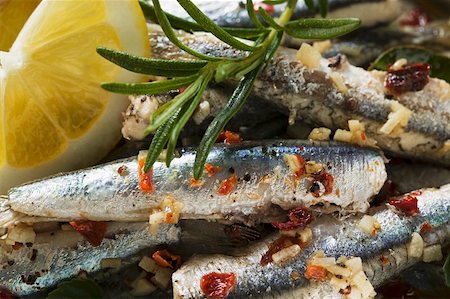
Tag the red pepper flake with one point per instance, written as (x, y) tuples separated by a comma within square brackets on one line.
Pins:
[(277, 245), (384, 260), (412, 77), (217, 285), (229, 137), (415, 17), (301, 148), (5, 293), (197, 183), (363, 136), (93, 231), (299, 173), (425, 228), (269, 8), (145, 178), (316, 272), (212, 170), (407, 204), (227, 185), (327, 180), (166, 259), (298, 217)]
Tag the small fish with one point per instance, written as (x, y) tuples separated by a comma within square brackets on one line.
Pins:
[(334, 92), (233, 13), (61, 254), (384, 255), (249, 182)]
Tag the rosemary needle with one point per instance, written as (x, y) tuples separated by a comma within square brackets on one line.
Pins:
[(168, 121)]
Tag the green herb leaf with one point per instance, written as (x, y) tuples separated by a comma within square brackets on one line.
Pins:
[(160, 139), (168, 31), (210, 26), (151, 66), (440, 65), (76, 288), (321, 28), (323, 8), (274, 2), (252, 15), (447, 271), (269, 20), (310, 4), (156, 87)]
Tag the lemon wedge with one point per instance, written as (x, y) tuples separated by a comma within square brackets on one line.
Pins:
[(54, 116), (13, 14)]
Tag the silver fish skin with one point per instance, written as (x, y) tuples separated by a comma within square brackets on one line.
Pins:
[(233, 13), (60, 255), (265, 187), (336, 238), (309, 94)]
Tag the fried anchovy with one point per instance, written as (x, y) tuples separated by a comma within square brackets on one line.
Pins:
[(257, 180), (336, 238)]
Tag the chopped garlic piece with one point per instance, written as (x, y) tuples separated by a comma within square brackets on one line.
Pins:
[(356, 134), (309, 56), (312, 167), (369, 225), (305, 235), (355, 264), (355, 125), (322, 46), (432, 253), (320, 134), (292, 162), (148, 264), (338, 270), (339, 82), (399, 117), (202, 112), (323, 261), (21, 233), (445, 148), (142, 287), (162, 278), (338, 283), (342, 135), (155, 219), (110, 263), (363, 284), (286, 254), (415, 247), (399, 64)]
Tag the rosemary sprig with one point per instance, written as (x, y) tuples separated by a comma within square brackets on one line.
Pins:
[(169, 120)]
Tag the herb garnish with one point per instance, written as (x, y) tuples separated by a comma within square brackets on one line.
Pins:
[(169, 120)]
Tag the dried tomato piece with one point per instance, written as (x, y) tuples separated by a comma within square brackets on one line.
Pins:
[(217, 285), (412, 77), (5, 293), (229, 137), (327, 181), (425, 228), (298, 217), (316, 272), (415, 17), (93, 231), (166, 259), (227, 185), (407, 204), (145, 178)]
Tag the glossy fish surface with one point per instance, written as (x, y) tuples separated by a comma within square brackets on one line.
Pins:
[(384, 254), (250, 182)]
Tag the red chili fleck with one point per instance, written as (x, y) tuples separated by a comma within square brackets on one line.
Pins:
[(229, 137), (212, 170), (412, 77), (363, 136), (145, 178), (217, 285), (227, 185), (384, 260), (299, 173), (407, 204), (316, 272), (197, 183), (415, 17), (425, 228), (93, 231), (166, 259), (298, 217), (270, 9), (277, 245), (5, 293)]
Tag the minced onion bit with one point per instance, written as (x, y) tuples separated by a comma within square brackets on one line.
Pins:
[(346, 275)]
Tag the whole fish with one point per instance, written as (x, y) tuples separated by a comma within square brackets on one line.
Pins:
[(58, 255), (250, 182), (335, 92), (233, 13), (384, 254)]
